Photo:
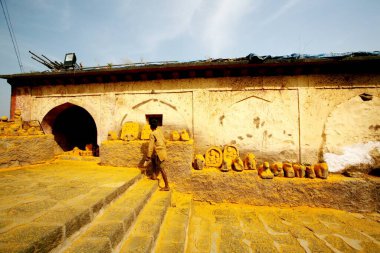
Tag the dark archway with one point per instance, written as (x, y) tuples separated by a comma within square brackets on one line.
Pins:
[(72, 126)]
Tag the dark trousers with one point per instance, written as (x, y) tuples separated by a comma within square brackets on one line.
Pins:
[(157, 167)]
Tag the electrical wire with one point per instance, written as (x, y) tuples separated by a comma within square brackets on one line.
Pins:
[(11, 32)]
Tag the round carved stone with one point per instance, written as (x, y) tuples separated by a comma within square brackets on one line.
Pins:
[(214, 157)]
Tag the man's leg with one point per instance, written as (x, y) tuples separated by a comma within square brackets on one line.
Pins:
[(155, 167), (164, 176)]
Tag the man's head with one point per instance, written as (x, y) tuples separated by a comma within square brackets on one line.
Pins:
[(153, 124)]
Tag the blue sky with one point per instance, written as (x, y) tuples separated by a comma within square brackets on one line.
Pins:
[(124, 31)]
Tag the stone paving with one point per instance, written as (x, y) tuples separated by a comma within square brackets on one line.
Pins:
[(239, 228), (42, 205), (80, 206)]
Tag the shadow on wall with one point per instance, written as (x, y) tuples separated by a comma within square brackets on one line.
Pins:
[(71, 125)]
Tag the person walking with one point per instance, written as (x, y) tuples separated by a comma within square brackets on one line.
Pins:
[(157, 153)]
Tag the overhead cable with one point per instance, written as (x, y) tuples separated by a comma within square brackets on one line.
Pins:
[(11, 32)]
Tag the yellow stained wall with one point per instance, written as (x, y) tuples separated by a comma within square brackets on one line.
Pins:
[(276, 117)]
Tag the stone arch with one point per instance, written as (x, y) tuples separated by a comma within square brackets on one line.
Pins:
[(355, 121), (71, 125)]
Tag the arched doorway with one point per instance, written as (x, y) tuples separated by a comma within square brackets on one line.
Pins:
[(71, 125)]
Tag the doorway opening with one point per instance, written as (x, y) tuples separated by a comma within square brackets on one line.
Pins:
[(72, 126)]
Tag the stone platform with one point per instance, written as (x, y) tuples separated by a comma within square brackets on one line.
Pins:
[(42, 205), (79, 206), (133, 154), (212, 185), (337, 191), (26, 150)]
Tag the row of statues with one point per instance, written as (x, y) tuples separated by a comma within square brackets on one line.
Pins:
[(229, 159), (18, 127), (130, 131), (89, 151), (290, 170)]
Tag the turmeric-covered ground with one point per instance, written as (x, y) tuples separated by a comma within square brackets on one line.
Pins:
[(243, 228), (46, 206)]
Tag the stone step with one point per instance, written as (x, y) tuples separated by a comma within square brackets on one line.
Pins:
[(173, 233), (35, 230), (77, 158), (109, 228), (143, 235)]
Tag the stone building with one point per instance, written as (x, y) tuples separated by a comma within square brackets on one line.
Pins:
[(283, 108)]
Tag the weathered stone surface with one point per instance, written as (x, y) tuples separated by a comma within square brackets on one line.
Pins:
[(91, 245), (122, 153), (133, 153), (42, 205), (180, 157), (28, 209), (241, 228), (25, 150), (113, 230), (119, 216), (246, 187), (173, 231), (16, 247), (138, 244), (71, 218), (42, 238), (147, 226)]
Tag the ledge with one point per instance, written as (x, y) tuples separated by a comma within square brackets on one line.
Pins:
[(337, 191)]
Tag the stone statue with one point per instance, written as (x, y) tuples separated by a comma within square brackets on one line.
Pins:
[(18, 127), (76, 151), (79, 152), (199, 162), (32, 131), (175, 136), (321, 170), (3, 124), (277, 169), (231, 159), (145, 132), (185, 135), (214, 157), (250, 162), (309, 170), (112, 136), (265, 172), (16, 124), (299, 170), (17, 117), (288, 169), (130, 131), (88, 150)]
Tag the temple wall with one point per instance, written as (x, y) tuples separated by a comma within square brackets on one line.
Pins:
[(276, 117)]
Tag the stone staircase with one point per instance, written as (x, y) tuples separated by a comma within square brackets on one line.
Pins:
[(83, 207), (142, 219)]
